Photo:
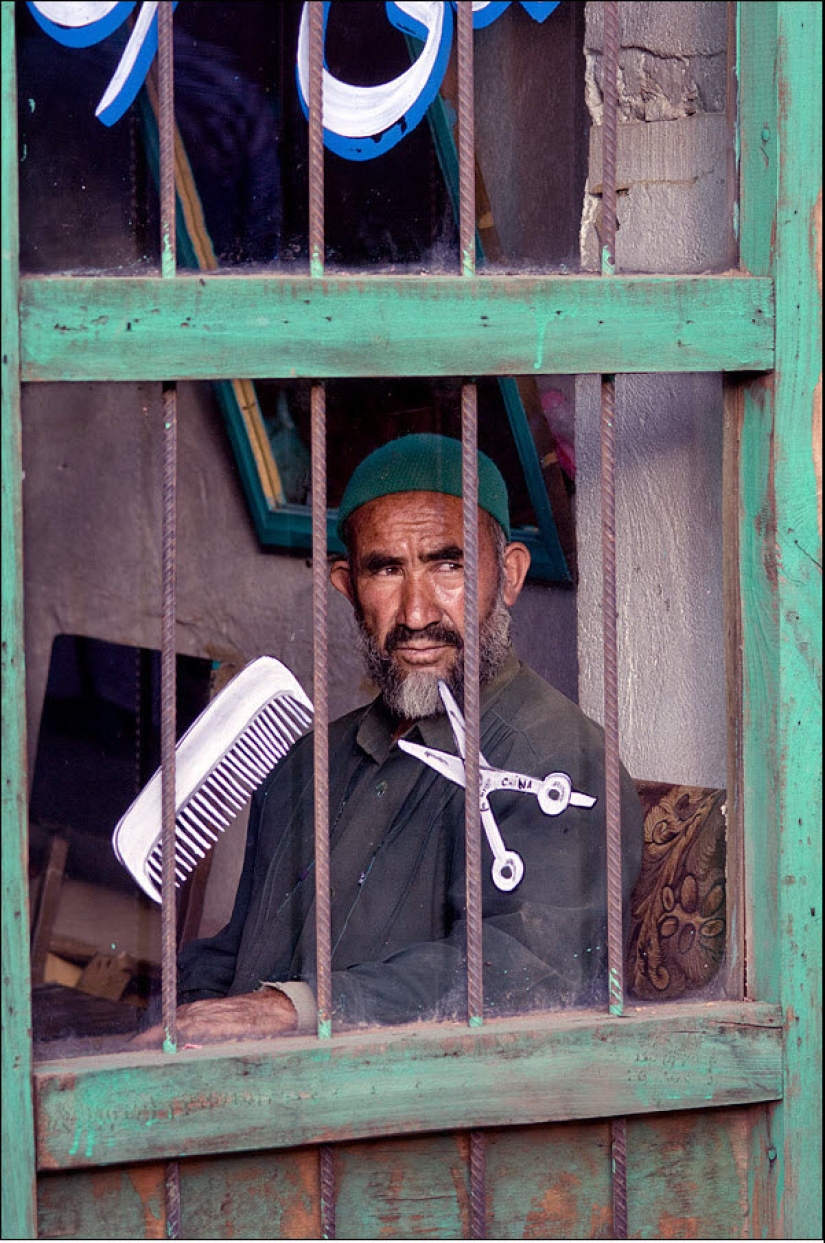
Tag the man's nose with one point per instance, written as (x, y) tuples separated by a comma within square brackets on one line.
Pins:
[(418, 605)]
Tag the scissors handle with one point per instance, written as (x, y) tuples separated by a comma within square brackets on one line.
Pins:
[(508, 866)]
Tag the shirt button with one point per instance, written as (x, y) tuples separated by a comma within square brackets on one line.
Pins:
[(381, 788)]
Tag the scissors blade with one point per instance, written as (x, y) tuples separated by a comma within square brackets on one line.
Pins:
[(449, 766), (456, 716)]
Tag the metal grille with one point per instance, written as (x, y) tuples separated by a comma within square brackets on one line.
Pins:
[(469, 437)]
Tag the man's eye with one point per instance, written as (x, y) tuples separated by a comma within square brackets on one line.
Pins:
[(451, 567)]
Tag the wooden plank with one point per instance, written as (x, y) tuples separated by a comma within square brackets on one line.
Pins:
[(689, 1179), (17, 1144), (415, 1188), (798, 485), (272, 1195), (422, 1078), (550, 1182), (781, 529), (211, 327), (688, 1176), (123, 1202)]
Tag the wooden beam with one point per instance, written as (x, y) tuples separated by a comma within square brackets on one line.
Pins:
[(781, 591), (19, 1217), (100, 1111), (213, 327)]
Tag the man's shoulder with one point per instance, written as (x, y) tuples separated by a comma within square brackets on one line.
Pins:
[(348, 724), (540, 713)]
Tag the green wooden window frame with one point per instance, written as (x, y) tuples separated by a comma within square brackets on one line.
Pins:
[(279, 523), (761, 326)]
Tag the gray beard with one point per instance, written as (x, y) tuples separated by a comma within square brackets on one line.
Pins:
[(414, 696)]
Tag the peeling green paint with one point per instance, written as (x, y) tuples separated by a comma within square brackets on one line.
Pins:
[(346, 326), (781, 137), (16, 1119)]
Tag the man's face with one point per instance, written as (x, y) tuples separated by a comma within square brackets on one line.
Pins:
[(405, 580)]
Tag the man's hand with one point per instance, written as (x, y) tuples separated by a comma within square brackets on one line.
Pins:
[(250, 1016)]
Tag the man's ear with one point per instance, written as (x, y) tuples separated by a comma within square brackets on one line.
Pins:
[(341, 579), (516, 565)]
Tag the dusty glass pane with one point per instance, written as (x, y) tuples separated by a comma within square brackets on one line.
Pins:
[(89, 192), (86, 198), (95, 936)]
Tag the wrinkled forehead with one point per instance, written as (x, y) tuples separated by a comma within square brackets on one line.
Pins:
[(406, 523)]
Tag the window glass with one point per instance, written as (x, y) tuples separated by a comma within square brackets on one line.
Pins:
[(244, 134), (86, 197), (237, 600), (95, 935)]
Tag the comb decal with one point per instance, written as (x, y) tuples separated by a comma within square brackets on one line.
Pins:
[(219, 763)]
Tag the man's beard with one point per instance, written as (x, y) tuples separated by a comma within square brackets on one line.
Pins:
[(414, 695)]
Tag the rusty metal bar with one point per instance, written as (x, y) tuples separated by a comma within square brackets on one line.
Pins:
[(168, 726), (327, 1180), (610, 119), (316, 138), (466, 138), (319, 537), (472, 695), (323, 918), (478, 1185), (169, 415), (469, 464)]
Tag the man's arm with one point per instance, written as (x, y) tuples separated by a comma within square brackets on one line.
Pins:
[(251, 1016)]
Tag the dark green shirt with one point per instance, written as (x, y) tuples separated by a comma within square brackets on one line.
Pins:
[(397, 868)]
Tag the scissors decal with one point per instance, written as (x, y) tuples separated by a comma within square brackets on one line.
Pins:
[(554, 792)]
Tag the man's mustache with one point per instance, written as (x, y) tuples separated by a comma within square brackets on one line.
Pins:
[(436, 632)]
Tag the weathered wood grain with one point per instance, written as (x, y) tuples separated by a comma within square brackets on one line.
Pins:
[(690, 1178), (429, 1078), (781, 587), (213, 327), (17, 1126), (121, 1202)]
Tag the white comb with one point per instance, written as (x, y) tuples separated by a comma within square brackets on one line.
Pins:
[(219, 762)]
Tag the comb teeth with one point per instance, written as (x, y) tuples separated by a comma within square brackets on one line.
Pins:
[(218, 799)]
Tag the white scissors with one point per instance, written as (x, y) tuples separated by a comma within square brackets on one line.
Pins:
[(554, 792)]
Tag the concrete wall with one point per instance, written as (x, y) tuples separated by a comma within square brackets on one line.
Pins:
[(673, 217)]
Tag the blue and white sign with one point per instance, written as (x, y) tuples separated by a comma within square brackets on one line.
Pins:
[(360, 122)]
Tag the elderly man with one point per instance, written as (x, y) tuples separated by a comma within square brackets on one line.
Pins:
[(397, 826)]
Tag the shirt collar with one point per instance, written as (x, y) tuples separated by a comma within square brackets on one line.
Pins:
[(378, 724)]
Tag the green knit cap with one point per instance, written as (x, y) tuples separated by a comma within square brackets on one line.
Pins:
[(422, 462)]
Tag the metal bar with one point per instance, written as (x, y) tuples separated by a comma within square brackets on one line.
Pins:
[(316, 138), (611, 700), (323, 918), (472, 695), (327, 1181), (472, 703), (610, 105), (169, 971), (610, 119), (169, 424), (466, 138), (469, 467), (319, 537), (478, 1185)]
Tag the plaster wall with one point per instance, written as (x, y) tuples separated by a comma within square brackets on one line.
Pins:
[(673, 217)]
